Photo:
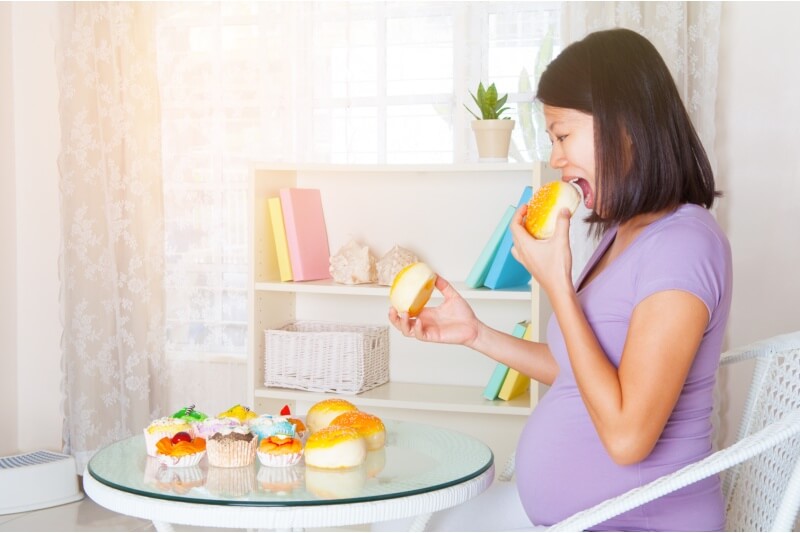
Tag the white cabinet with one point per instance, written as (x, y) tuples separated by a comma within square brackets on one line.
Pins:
[(444, 214)]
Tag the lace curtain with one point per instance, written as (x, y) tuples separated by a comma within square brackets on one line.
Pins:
[(111, 262)]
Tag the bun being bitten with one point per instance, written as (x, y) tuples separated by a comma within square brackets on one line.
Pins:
[(545, 205)]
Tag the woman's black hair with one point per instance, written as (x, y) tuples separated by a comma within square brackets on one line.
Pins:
[(648, 156)]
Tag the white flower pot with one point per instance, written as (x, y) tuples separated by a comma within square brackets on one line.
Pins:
[(493, 138)]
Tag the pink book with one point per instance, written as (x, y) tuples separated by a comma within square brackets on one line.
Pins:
[(306, 234)]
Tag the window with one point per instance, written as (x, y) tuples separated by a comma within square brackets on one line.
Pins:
[(322, 82)]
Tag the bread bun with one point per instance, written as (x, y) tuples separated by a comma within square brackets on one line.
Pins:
[(321, 413), (546, 204), (412, 288), (368, 426), (335, 447)]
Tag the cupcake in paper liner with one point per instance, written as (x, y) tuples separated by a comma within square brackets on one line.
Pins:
[(280, 451), (267, 425), (280, 481), (231, 448), (190, 414), (231, 482), (211, 426), (175, 453), (239, 412), (164, 427)]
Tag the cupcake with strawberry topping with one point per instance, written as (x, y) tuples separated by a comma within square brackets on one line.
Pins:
[(181, 450)]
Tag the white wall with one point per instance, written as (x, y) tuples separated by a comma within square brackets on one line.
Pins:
[(35, 145), (757, 152), (8, 244)]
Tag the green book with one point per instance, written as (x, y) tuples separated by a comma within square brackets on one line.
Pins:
[(479, 270), (498, 377)]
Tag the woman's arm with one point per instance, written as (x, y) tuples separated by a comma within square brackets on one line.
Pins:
[(630, 405), (454, 322)]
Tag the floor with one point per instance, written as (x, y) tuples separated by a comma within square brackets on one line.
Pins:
[(85, 515)]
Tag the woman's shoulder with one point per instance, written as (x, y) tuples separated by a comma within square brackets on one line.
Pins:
[(690, 227)]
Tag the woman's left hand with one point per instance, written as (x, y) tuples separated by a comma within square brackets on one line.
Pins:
[(549, 261)]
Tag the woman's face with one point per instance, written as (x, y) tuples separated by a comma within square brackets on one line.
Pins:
[(572, 135)]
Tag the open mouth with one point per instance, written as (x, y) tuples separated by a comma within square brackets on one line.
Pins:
[(586, 191)]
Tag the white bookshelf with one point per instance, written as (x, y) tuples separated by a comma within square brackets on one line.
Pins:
[(444, 214)]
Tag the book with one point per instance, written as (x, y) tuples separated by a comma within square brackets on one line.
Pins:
[(479, 270), (279, 236), (500, 370), (506, 271), (306, 234), (515, 383)]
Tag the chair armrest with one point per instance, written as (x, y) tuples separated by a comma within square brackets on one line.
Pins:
[(748, 447)]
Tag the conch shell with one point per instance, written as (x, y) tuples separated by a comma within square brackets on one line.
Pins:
[(393, 262), (353, 264)]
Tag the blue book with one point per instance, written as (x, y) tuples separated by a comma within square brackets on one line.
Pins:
[(479, 270), (505, 270), (495, 383)]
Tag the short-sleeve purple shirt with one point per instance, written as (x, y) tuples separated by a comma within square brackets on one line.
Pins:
[(562, 466)]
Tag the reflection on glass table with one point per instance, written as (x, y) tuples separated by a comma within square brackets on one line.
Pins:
[(421, 469)]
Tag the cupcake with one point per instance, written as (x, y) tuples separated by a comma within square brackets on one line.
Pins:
[(211, 426), (230, 482), (369, 426), (280, 451), (190, 415), (239, 412), (267, 425), (321, 413), (301, 431), (164, 427), (180, 451), (280, 481), (299, 427), (231, 447)]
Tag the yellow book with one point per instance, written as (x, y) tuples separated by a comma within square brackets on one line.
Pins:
[(279, 235), (515, 383)]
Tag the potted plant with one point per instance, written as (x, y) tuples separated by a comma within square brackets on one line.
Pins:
[(492, 133)]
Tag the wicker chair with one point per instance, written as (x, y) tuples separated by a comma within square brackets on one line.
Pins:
[(760, 472)]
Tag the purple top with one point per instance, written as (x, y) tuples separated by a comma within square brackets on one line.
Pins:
[(562, 466)]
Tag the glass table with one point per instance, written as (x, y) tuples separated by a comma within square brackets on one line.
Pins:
[(422, 469)]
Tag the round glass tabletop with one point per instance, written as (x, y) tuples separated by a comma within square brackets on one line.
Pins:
[(417, 458)]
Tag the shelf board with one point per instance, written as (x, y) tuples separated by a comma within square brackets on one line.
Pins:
[(371, 289), (420, 396)]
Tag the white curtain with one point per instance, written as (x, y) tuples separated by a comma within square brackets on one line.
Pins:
[(111, 262)]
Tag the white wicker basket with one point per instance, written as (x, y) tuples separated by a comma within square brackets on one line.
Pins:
[(327, 357)]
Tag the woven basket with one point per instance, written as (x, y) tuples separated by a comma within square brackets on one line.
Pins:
[(327, 357)]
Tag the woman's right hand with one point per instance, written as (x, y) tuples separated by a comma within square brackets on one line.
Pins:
[(451, 322)]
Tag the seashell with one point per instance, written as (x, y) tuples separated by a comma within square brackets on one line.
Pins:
[(393, 262), (353, 264)]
